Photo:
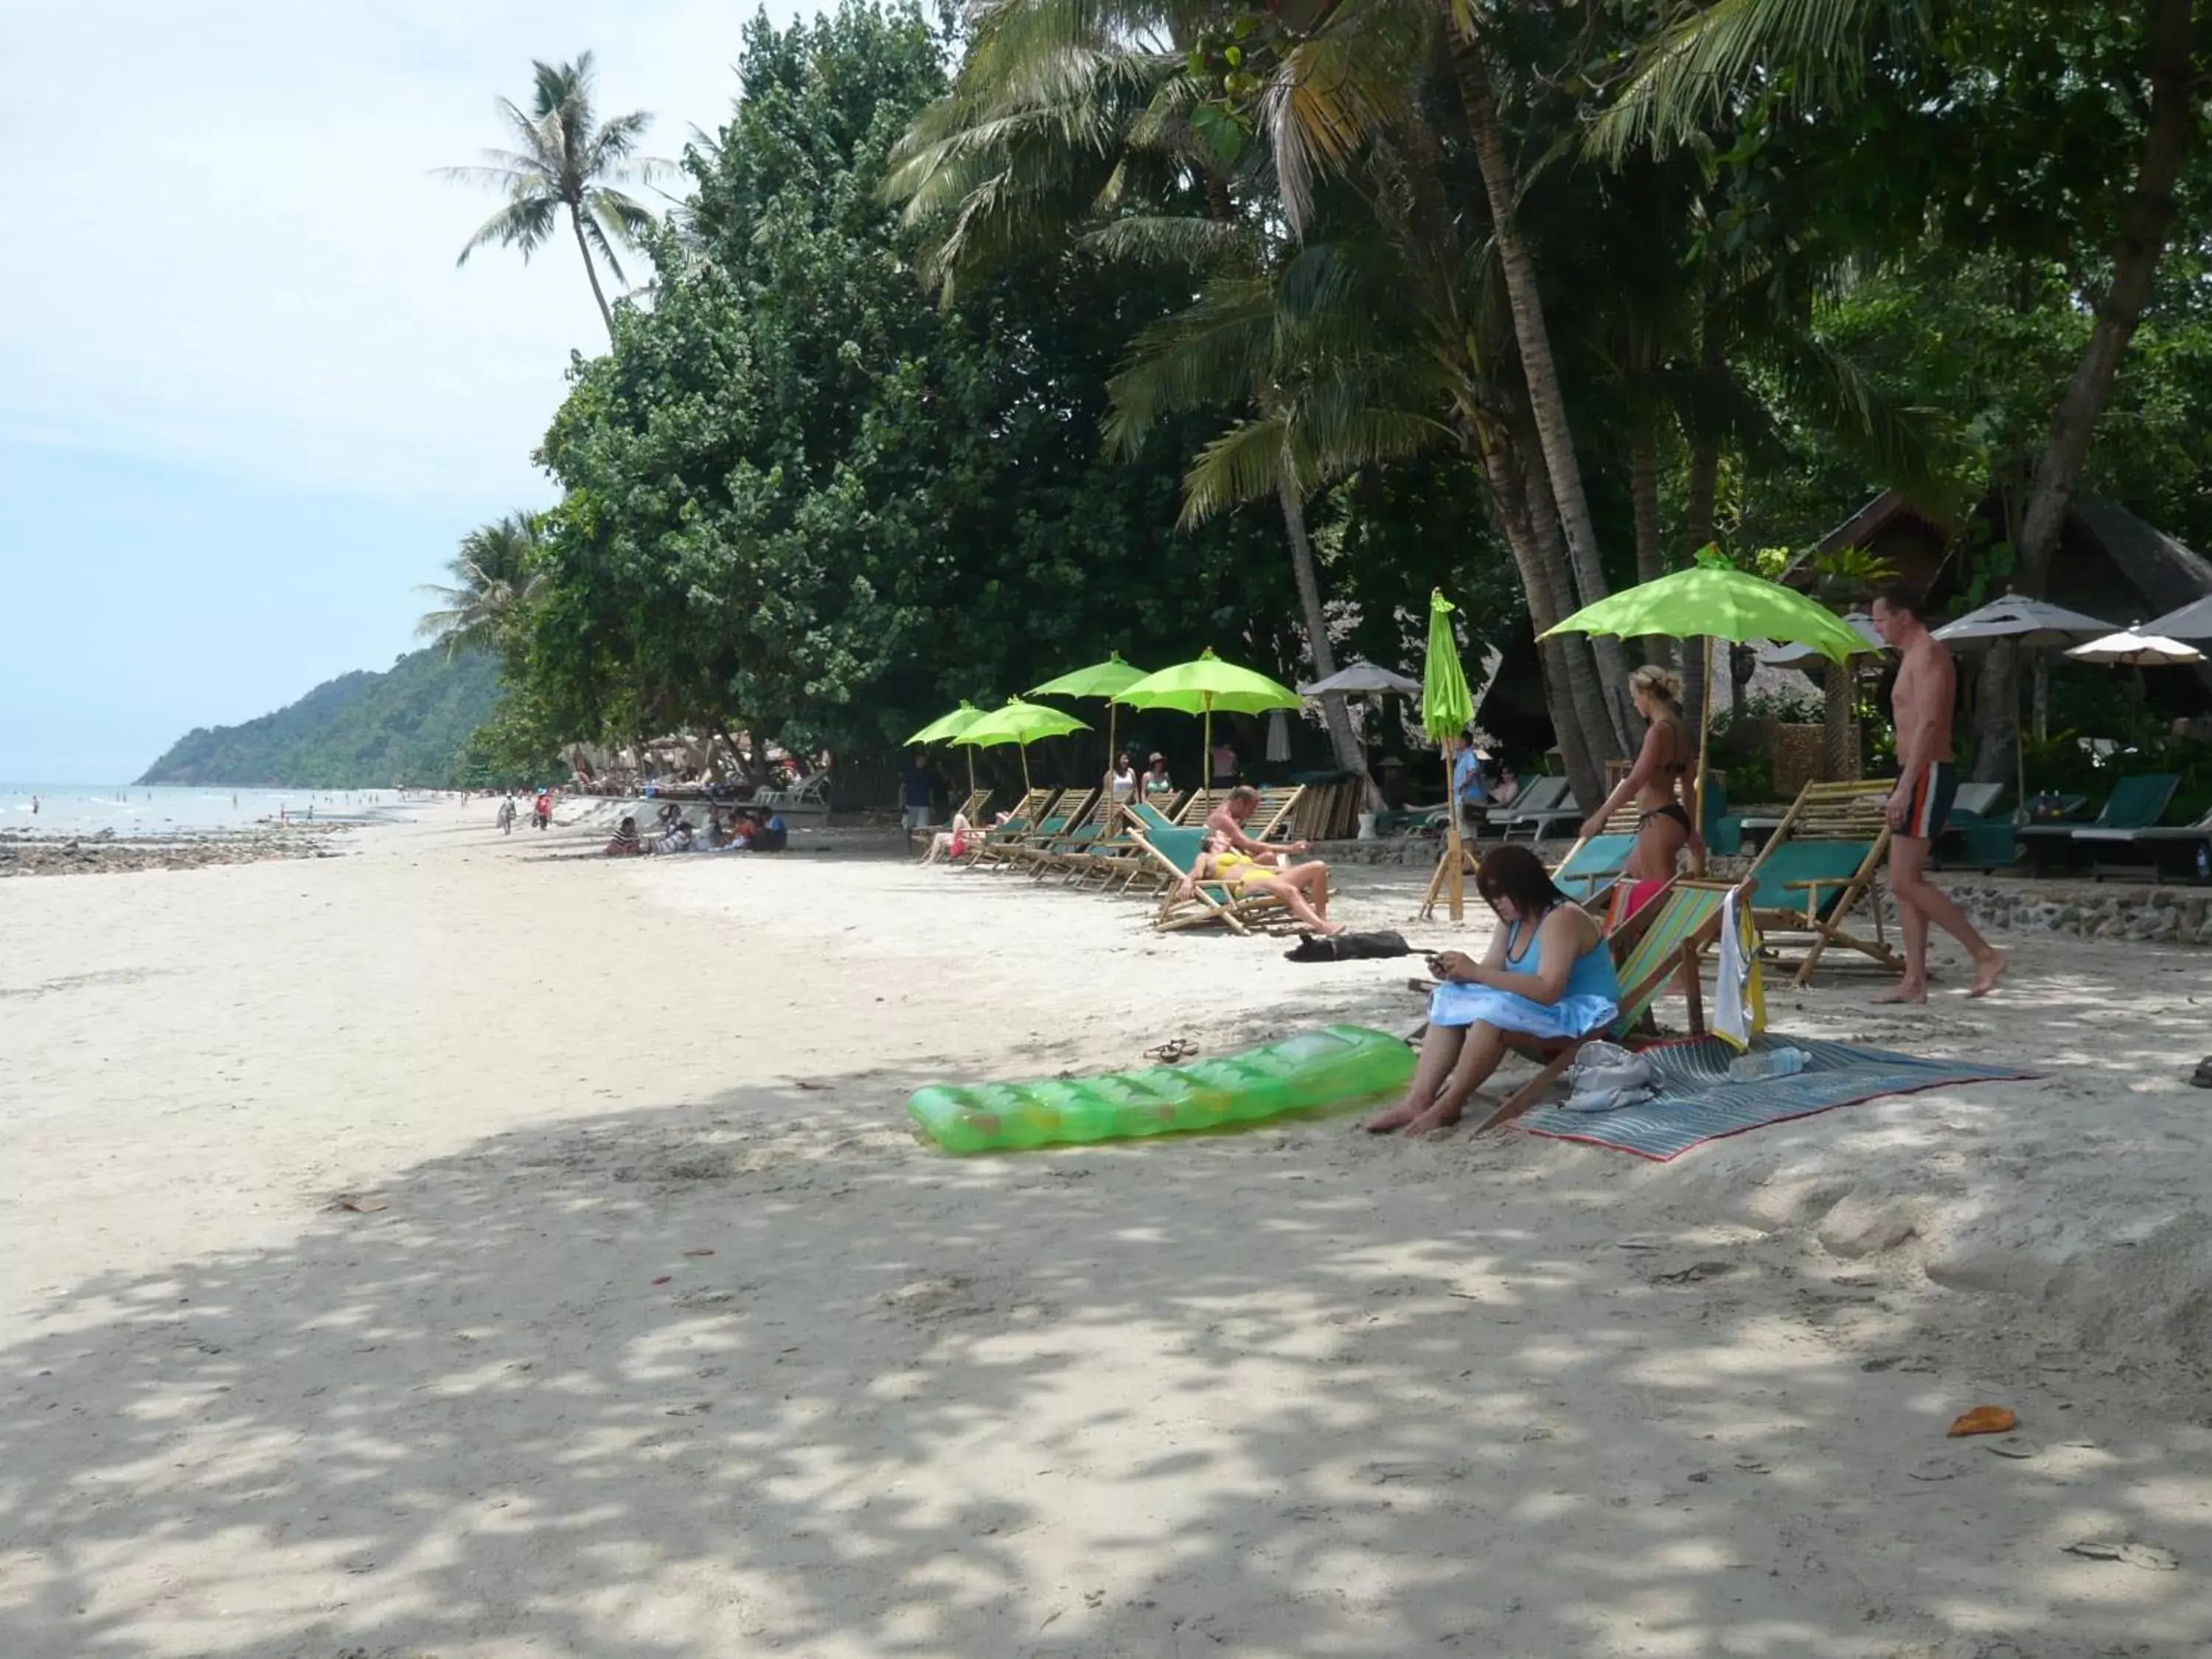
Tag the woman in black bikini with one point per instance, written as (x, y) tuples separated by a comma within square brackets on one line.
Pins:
[(1659, 782)]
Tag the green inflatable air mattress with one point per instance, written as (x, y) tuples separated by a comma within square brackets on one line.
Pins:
[(1335, 1065)]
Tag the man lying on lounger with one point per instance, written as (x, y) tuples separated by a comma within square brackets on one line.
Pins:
[(1236, 811), (1302, 888)]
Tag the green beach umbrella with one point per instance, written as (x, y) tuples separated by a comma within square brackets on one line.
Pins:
[(1714, 600), (1107, 679), (1204, 684), (1446, 706), (947, 727), (1021, 723)]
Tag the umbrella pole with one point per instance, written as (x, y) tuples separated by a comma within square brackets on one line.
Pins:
[(971, 772), (1111, 711), (1205, 754), (1704, 747), (1027, 789)]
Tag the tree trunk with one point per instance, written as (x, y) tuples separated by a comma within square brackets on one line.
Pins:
[(1524, 298), (591, 270), (1650, 540), (2145, 222), (1570, 686), (1838, 739), (1351, 753), (1704, 487), (1593, 701)]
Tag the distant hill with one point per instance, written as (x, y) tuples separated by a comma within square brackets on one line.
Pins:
[(360, 731)]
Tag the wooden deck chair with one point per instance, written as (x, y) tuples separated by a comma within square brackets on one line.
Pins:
[(1664, 940), (1592, 865), (1059, 854), (1017, 822), (1069, 809), (971, 809), (1816, 868), (1176, 852), (1112, 858), (1006, 841)]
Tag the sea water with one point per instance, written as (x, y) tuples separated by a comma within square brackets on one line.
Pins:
[(155, 810)]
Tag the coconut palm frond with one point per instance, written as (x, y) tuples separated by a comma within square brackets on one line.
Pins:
[(1688, 78)]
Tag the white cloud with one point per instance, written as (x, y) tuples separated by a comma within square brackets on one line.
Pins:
[(247, 263)]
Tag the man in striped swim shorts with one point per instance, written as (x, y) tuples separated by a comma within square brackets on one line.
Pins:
[(1927, 686)]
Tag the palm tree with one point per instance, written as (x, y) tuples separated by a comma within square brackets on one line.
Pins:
[(565, 163), (495, 575)]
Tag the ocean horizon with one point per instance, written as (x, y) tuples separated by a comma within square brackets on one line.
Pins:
[(157, 809)]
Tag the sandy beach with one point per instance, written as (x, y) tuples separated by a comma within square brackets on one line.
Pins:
[(670, 1340)]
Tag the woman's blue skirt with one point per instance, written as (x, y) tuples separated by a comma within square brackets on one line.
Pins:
[(1454, 1003)]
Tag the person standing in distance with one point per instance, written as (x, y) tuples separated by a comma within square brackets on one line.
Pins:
[(1927, 686)]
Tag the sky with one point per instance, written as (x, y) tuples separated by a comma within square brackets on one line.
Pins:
[(247, 404)]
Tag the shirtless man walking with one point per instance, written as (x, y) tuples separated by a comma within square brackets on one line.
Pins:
[(1926, 783)]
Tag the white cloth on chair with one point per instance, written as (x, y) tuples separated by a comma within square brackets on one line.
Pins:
[(1739, 989)]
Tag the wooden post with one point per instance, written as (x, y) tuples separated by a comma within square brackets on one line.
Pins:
[(1704, 748), (1456, 864)]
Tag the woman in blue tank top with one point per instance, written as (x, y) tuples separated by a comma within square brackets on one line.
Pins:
[(1548, 974)]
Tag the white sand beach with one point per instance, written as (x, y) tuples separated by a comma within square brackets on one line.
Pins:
[(673, 1341)]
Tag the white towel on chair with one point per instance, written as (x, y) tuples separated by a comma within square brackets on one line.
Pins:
[(1739, 990)]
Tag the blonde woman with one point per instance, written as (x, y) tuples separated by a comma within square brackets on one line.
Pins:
[(1660, 783)]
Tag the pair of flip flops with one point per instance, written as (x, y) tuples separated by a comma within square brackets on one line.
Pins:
[(2202, 1075)]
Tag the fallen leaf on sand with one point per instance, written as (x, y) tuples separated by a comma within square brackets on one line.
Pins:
[(1984, 1419), (364, 1203), (698, 1253), (2150, 1557), (663, 1279)]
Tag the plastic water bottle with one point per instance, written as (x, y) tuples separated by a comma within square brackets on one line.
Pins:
[(2204, 860), (1769, 1062)]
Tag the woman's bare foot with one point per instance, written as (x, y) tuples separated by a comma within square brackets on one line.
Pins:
[(1987, 972), (1439, 1117), (1396, 1118), (1904, 992)]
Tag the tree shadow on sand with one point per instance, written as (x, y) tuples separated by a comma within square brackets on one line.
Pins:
[(762, 1373)]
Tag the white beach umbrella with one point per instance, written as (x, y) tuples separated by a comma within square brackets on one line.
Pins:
[(2027, 623), (2193, 621), (2132, 647), (1788, 656), (2034, 625)]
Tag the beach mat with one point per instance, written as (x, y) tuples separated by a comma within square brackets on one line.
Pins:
[(1697, 1102)]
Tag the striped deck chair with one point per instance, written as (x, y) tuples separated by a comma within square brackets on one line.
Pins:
[(1817, 867), (1662, 941), (1017, 822)]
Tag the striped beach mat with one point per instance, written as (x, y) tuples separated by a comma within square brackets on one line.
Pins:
[(1697, 1102)]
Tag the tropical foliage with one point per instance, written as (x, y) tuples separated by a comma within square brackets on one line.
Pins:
[(568, 165), (1150, 326)]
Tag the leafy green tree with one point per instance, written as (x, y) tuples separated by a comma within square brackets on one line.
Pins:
[(567, 164), (803, 499)]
